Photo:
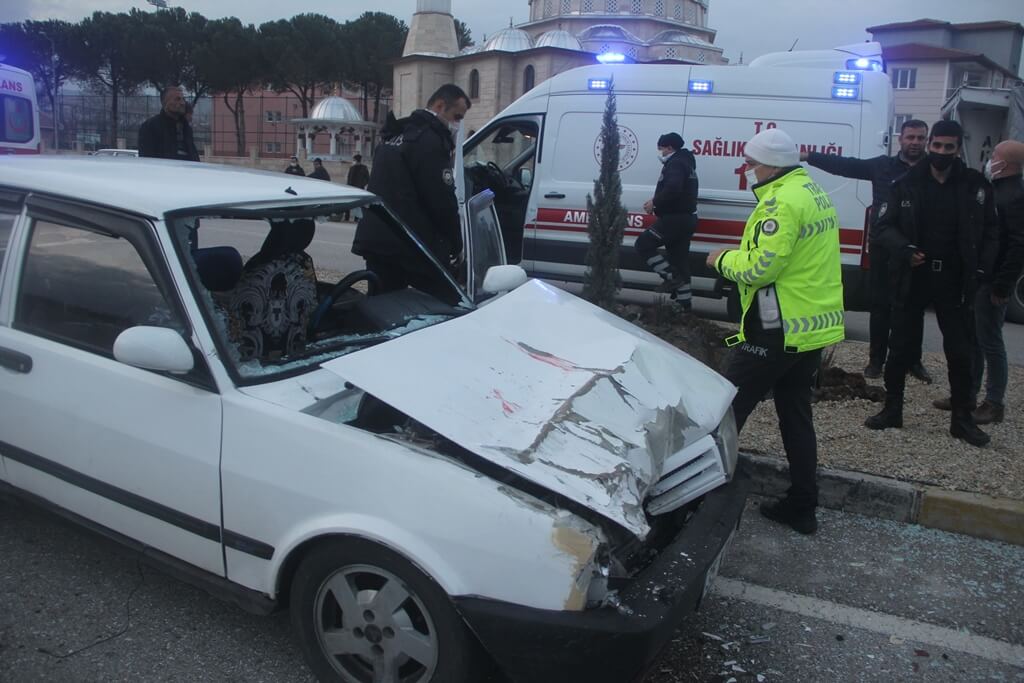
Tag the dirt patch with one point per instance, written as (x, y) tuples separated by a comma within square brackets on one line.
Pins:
[(704, 340)]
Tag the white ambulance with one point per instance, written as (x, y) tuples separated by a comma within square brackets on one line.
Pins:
[(540, 156), (19, 112)]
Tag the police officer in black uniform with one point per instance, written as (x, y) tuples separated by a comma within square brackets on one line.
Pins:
[(412, 172), (881, 171), (675, 204), (940, 227)]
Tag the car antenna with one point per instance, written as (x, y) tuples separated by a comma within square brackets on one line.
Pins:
[(289, 190), (794, 44)]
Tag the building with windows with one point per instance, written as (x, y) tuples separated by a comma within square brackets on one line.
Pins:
[(928, 60), (560, 35)]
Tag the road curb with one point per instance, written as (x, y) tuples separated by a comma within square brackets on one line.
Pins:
[(973, 514)]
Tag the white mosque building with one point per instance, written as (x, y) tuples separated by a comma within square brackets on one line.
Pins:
[(561, 35)]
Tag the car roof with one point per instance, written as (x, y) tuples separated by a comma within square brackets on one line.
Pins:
[(154, 187)]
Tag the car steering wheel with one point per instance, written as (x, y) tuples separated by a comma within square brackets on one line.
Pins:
[(344, 284), (497, 176)]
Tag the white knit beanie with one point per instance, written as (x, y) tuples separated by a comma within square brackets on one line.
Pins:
[(773, 147)]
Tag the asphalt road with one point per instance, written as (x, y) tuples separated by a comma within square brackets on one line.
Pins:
[(332, 250), (863, 600)]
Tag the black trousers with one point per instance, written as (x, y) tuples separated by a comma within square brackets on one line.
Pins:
[(756, 369), (945, 291), (880, 316), (673, 232)]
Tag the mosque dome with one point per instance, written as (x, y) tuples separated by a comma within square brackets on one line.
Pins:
[(336, 109), (509, 39), (679, 38), (559, 38)]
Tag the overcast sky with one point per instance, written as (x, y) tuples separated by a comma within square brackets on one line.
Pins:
[(752, 27)]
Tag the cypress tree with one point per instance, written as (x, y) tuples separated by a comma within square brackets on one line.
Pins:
[(607, 217)]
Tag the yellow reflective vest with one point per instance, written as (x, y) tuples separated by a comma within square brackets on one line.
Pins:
[(789, 257)]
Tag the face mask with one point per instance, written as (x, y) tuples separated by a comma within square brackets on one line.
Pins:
[(940, 162), (751, 175), (663, 158), (454, 128), (993, 168)]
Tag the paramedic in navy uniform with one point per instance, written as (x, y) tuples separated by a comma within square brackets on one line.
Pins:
[(675, 204)]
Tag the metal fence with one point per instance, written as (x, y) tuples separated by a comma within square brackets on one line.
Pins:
[(85, 123)]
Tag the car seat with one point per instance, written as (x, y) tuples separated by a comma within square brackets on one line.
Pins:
[(276, 294)]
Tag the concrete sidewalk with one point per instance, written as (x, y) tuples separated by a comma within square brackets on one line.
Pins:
[(997, 519)]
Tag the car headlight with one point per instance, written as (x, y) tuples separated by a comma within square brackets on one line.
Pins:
[(728, 440)]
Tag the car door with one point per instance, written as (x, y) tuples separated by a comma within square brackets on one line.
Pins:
[(10, 210), (483, 242), (132, 450)]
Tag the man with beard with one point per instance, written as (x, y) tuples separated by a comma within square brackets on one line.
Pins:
[(940, 227), (881, 171)]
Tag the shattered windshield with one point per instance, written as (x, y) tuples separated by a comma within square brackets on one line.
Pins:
[(282, 291)]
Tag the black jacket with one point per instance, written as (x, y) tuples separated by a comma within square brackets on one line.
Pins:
[(676, 191), (412, 173), (900, 226), (158, 138), (880, 170), (294, 170), (319, 173), (358, 176), (1010, 260)]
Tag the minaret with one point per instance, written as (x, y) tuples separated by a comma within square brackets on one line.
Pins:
[(433, 30)]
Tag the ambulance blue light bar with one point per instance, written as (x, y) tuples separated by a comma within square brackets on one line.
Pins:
[(864, 64), (847, 78), (701, 86), (598, 84), (845, 92), (611, 57)]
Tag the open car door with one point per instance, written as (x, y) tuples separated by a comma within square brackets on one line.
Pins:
[(481, 230)]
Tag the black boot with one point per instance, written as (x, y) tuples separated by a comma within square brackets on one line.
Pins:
[(962, 427), (802, 520), (890, 416)]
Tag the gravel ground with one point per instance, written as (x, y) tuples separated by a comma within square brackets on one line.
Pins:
[(923, 451)]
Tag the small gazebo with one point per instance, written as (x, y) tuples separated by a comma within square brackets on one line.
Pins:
[(339, 118)]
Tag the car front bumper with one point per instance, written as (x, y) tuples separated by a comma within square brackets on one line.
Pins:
[(613, 644)]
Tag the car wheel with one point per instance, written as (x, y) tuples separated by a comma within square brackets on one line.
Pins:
[(1015, 311), (364, 614)]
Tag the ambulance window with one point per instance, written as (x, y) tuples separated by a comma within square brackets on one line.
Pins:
[(16, 122), (511, 146)]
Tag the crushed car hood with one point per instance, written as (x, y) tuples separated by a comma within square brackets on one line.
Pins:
[(555, 389)]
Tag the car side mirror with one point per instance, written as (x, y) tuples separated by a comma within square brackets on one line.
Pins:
[(525, 177), (154, 348), (503, 279)]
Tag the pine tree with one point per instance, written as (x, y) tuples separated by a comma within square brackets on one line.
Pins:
[(607, 217)]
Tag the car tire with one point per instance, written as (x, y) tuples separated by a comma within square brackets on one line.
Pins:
[(396, 621), (1015, 311)]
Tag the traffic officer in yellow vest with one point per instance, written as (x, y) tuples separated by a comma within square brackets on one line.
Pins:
[(788, 273)]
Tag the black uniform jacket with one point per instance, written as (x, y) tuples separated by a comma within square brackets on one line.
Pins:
[(676, 191), (900, 225), (1010, 206), (412, 172), (158, 138), (880, 170)]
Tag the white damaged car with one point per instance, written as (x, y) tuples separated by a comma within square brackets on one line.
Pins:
[(496, 474)]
